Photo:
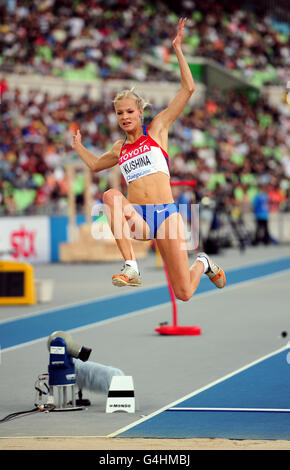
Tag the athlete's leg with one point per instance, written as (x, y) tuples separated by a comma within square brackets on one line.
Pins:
[(172, 246), (124, 222), (171, 242)]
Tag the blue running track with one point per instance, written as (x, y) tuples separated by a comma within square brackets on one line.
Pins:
[(31, 328), (252, 404)]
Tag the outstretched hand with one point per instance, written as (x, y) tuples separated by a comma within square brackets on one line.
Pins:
[(77, 139), (177, 42)]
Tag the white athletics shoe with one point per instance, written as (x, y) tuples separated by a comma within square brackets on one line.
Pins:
[(128, 277), (214, 273)]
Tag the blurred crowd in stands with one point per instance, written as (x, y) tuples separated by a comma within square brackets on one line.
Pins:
[(107, 38), (229, 142), (235, 145)]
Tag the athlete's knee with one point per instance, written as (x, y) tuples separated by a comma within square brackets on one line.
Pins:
[(110, 196), (183, 294)]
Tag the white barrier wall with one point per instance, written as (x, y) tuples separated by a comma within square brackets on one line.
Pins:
[(36, 239), (279, 227), (27, 238)]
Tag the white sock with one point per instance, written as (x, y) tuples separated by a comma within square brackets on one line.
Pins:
[(205, 263), (133, 264)]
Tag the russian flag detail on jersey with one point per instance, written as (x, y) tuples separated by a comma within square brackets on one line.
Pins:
[(142, 158)]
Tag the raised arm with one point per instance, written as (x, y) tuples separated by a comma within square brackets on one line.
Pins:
[(166, 118), (107, 160)]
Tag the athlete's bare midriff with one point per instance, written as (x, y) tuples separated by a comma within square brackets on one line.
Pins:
[(150, 189)]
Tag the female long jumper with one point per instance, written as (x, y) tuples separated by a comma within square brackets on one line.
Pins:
[(149, 211)]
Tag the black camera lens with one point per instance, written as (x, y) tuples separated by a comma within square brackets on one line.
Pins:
[(84, 353)]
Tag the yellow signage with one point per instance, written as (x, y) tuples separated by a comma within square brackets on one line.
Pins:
[(16, 283)]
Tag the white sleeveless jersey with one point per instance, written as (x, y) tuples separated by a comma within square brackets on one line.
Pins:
[(143, 157)]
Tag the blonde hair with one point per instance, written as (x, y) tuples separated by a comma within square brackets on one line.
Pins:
[(141, 103)]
